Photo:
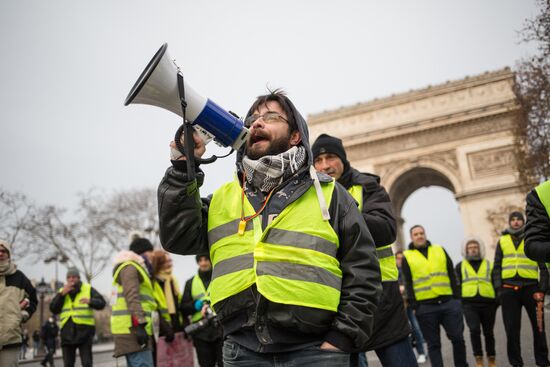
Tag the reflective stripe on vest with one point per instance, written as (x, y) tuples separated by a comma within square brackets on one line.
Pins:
[(480, 281), (160, 298), (121, 319), (515, 262), (543, 192), (429, 275), (388, 266), (198, 292), (81, 313), (293, 261)]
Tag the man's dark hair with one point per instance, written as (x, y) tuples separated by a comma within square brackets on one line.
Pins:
[(279, 96), (398, 252), (416, 226)]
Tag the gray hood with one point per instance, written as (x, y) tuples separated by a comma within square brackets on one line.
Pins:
[(476, 239), (302, 128)]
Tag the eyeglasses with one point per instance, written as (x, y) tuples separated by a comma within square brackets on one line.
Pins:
[(268, 117)]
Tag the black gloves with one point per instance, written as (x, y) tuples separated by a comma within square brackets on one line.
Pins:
[(169, 336), (141, 335)]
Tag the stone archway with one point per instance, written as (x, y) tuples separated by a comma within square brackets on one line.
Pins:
[(458, 135)]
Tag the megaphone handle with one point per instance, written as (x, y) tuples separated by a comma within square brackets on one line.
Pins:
[(188, 149)]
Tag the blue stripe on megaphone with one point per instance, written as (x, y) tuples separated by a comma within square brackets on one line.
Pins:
[(225, 127)]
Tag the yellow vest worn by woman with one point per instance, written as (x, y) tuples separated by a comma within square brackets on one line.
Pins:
[(121, 318)]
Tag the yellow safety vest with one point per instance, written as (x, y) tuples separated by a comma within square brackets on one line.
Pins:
[(293, 261), (429, 275), (81, 313), (515, 262), (543, 192), (198, 292), (480, 281), (388, 266), (121, 317), (160, 297)]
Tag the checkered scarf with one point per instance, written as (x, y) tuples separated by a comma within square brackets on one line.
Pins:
[(271, 170)]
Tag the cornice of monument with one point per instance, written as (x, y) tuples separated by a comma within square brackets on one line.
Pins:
[(411, 96)]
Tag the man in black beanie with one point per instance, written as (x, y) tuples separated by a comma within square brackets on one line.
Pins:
[(391, 326), (517, 280)]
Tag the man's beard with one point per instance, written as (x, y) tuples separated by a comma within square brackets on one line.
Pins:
[(275, 147)]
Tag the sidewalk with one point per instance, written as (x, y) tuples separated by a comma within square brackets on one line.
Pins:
[(104, 347)]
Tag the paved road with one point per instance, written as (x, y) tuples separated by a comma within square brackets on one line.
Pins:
[(103, 354), (500, 340)]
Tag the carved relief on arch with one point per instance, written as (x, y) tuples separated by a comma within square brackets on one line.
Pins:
[(498, 218), (444, 162)]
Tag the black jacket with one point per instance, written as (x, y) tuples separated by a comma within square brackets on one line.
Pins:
[(390, 320), (248, 316), (517, 280), (413, 303), (71, 333), (537, 229)]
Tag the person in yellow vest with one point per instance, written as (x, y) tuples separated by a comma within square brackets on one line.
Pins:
[(432, 291), (391, 327), (537, 227), (517, 279), (295, 277), (132, 304), (478, 298), (208, 341), (75, 303)]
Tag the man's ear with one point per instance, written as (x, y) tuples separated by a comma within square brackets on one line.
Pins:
[(295, 138)]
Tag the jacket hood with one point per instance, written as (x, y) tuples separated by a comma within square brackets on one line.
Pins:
[(351, 177), (304, 134), (472, 239), (126, 255)]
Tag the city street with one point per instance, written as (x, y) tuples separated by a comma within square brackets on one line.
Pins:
[(103, 353)]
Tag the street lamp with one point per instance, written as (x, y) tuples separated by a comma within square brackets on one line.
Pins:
[(42, 289), (58, 257)]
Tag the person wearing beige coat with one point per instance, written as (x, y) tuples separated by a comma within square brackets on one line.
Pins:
[(18, 300)]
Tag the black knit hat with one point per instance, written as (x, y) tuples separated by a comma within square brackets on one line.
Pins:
[(141, 245), (516, 214), (329, 144), (198, 256)]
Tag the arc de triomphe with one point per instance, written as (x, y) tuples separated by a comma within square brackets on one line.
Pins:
[(458, 135)]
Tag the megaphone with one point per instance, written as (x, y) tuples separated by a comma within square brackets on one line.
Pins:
[(158, 86)]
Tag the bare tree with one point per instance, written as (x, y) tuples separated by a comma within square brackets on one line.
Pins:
[(532, 89), (15, 210), (98, 228), (115, 217)]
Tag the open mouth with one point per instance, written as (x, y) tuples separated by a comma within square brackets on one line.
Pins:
[(257, 138)]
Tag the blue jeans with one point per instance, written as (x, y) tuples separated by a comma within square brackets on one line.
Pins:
[(449, 315), (397, 354), (140, 359), (237, 355), (418, 337)]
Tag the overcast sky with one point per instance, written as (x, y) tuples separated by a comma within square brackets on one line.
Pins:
[(67, 66)]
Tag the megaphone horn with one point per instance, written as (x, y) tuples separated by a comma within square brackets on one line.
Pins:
[(158, 86)]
